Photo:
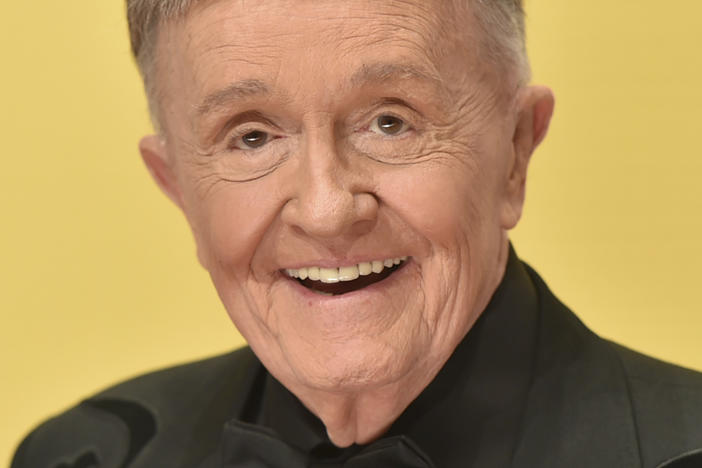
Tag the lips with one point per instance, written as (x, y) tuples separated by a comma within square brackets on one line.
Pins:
[(341, 280)]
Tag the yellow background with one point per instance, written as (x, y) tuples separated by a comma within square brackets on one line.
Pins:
[(98, 277)]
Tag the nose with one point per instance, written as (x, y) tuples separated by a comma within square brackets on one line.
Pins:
[(331, 198)]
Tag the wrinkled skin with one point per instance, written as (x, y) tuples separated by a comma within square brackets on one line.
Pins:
[(328, 187)]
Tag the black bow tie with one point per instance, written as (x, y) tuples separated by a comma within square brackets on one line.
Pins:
[(249, 446)]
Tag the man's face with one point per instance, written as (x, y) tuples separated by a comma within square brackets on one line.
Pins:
[(324, 140)]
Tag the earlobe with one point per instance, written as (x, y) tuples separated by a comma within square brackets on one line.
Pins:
[(534, 115), (154, 154)]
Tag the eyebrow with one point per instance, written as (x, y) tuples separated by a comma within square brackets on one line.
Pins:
[(388, 71), (235, 91), (368, 73)]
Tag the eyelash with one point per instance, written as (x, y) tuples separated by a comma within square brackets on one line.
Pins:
[(235, 139), (406, 125)]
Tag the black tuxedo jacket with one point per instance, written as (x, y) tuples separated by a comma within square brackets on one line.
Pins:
[(589, 403)]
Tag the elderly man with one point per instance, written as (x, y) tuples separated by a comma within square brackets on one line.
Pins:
[(350, 171)]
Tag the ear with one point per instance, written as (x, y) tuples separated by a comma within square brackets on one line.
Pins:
[(154, 153), (535, 108)]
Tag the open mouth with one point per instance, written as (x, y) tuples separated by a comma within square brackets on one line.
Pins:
[(343, 280)]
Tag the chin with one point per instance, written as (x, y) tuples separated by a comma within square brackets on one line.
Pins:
[(358, 367)]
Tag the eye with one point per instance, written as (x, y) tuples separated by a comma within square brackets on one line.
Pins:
[(388, 125), (252, 140)]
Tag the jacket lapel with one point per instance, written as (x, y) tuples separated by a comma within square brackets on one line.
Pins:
[(687, 460), (578, 412)]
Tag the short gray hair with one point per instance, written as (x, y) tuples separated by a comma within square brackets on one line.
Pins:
[(501, 21), (504, 33)]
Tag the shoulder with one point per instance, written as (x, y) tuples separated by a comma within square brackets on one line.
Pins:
[(172, 412), (666, 403), (649, 373), (618, 397), (183, 382)]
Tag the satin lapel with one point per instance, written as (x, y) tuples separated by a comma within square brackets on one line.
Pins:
[(691, 459), (578, 412)]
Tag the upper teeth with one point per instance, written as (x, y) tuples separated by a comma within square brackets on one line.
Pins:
[(346, 273)]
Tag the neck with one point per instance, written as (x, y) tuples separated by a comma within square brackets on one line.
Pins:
[(364, 416)]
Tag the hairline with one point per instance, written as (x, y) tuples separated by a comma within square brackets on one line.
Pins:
[(508, 56)]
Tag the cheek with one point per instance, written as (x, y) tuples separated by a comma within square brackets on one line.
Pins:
[(445, 203), (229, 223)]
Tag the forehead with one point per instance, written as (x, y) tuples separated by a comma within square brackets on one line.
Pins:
[(340, 23), (283, 46)]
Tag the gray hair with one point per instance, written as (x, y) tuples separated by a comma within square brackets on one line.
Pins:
[(504, 33), (501, 22)]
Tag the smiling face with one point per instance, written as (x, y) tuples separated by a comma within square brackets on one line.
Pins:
[(349, 170)]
